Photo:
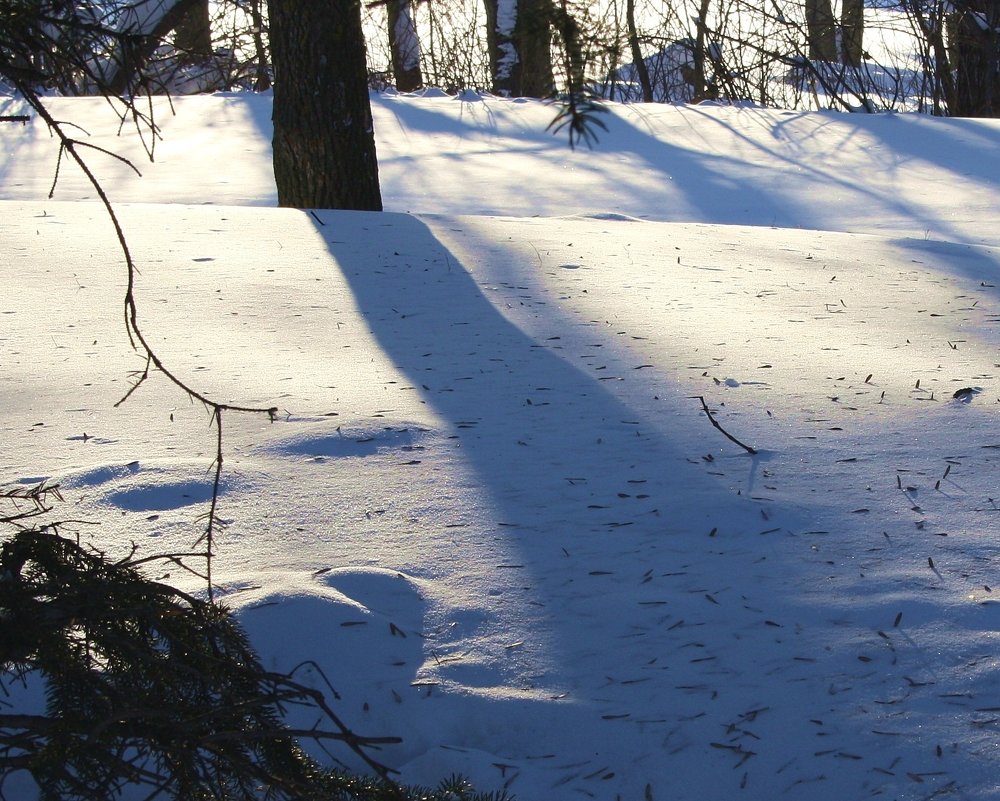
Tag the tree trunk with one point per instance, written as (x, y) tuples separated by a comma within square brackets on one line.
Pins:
[(262, 78), (641, 70), (977, 45), (193, 34), (501, 16), (821, 31), (404, 45), (852, 25), (324, 145), (533, 70), (702, 89), (519, 38)]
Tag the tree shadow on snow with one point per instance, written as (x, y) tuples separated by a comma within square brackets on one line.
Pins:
[(666, 592), (662, 170)]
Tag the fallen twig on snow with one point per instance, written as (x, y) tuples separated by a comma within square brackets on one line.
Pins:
[(715, 423)]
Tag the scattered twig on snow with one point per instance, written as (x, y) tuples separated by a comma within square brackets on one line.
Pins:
[(715, 423)]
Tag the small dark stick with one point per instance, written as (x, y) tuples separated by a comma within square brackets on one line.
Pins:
[(715, 423)]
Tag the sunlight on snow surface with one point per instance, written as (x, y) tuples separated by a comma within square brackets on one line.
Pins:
[(493, 509)]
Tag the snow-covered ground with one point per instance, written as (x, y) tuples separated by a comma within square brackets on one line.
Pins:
[(494, 510)]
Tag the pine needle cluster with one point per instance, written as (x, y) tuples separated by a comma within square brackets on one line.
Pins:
[(149, 687)]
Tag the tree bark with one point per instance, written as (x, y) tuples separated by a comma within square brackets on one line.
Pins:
[(193, 34), (821, 31), (533, 70), (324, 143), (501, 16), (404, 46), (852, 26), (641, 70), (977, 49), (519, 38)]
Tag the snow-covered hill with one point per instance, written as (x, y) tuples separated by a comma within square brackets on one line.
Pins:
[(494, 509)]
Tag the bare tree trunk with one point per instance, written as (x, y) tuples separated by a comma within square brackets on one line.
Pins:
[(641, 70), (938, 55), (519, 37), (404, 45), (821, 30), (533, 71), (852, 26), (324, 145), (977, 66), (262, 80), (501, 16), (701, 88), (193, 34)]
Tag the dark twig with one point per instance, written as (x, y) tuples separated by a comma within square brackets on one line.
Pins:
[(68, 146), (715, 423), (36, 498)]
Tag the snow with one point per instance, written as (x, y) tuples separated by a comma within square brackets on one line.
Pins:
[(493, 509), (143, 17)]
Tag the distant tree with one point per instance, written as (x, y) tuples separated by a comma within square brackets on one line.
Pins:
[(140, 29), (852, 31), (642, 71), (830, 41), (821, 30), (976, 52), (702, 88), (519, 38), (193, 33), (324, 142), (404, 45)]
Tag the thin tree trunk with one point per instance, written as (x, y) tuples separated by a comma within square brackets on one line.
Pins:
[(262, 80), (641, 70), (938, 56), (324, 144), (701, 88)]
